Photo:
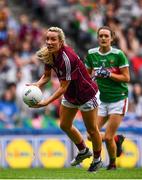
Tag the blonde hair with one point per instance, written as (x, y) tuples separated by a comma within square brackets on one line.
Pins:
[(60, 32)]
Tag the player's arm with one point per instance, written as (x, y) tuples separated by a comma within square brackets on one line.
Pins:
[(45, 57), (43, 80), (124, 75), (89, 71), (58, 93), (89, 65)]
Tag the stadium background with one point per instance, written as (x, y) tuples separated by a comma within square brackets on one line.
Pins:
[(33, 137)]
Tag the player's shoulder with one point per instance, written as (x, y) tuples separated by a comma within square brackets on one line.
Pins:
[(69, 55), (68, 51), (116, 50), (113, 50), (93, 50)]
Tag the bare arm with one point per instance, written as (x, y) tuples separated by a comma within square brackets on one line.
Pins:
[(124, 75), (58, 93), (44, 78), (89, 71)]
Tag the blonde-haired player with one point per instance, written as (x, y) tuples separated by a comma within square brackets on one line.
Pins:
[(78, 92)]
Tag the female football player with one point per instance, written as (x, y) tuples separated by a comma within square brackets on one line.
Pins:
[(78, 92), (112, 75)]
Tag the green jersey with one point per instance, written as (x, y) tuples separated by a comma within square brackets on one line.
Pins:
[(114, 60)]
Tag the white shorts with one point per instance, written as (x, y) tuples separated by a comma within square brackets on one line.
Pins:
[(88, 106), (119, 107)]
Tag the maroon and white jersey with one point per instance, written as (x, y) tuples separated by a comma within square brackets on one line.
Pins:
[(69, 67)]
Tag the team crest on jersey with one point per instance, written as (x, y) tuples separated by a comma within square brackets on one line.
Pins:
[(95, 63), (111, 61)]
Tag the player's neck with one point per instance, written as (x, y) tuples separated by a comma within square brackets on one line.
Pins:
[(104, 49), (54, 55)]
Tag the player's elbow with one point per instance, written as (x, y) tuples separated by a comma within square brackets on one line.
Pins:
[(127, 79), (63, 90)]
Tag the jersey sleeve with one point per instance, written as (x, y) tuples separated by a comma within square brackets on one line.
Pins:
[(123, 61), (88, 62)]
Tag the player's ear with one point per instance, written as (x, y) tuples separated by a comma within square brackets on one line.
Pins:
[(112, 40), (113, 37), (61, 43)]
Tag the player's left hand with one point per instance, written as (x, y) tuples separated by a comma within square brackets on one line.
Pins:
[(102, 73)]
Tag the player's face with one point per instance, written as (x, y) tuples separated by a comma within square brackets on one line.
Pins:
[(104, 38), (53, 42)]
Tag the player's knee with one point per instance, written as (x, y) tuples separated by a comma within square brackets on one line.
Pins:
[(108, 139), (92, 132), (64, 127), (88, 137)]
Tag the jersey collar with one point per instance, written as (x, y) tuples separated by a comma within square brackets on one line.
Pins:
[(103, 54)]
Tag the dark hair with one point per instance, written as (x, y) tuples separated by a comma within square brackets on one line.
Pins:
[(10, 84), (107, 28)]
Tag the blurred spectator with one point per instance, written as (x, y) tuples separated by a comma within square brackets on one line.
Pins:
[(136, 100), (25, 59), (3, 15), (25, 27), (137, 9), (20, 84), (13, 41), (132, 42), (11, 21), (9, 111), (7, 70), (136, 63), (3, 33), (36, 33)]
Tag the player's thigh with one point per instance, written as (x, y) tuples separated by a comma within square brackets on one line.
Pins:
[(113, 123), (101, 121), (67, 115), (90, 118), (119, 107)]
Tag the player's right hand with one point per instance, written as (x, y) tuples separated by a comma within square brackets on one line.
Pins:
[(102, 73), (32, 84)]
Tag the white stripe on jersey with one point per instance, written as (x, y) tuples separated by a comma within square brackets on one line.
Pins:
[(68, 66), (126, 65)]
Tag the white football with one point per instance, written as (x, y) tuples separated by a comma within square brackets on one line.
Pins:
[(31, 95)]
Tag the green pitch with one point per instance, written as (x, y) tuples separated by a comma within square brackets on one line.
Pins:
[(69, 173)]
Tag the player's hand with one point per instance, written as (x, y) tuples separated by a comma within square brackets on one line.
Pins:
[(32, 84), (41, 104), (102, 73)]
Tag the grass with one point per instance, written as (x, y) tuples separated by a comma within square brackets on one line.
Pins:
[(69, 173)]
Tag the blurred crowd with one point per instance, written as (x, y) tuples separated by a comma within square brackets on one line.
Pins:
[(21, 36)]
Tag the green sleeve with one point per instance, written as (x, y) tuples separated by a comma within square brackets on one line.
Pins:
[(123, 61), (88, 62)]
